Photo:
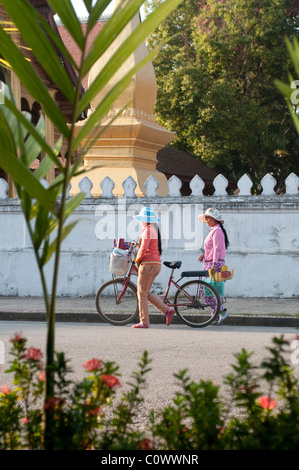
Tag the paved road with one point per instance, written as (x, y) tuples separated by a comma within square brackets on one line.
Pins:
[(244, 311), (206, 353)]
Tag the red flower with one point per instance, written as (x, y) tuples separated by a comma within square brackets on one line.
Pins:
[(111, 381), (52, 403), (267, 402), (93, 364), (94, 411), (5, 390), (145, 444), (34, 354)]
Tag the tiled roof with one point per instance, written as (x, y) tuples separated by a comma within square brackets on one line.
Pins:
[(71, 45), (185, 166)]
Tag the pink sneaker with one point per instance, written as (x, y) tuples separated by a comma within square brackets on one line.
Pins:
[(140, 325), (169, 316)]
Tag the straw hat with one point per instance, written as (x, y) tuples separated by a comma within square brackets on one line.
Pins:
[(211, 212)]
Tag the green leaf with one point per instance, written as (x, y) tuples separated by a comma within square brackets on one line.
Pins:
[(41, 227), (67, 14), (27, 18), (294, 117), (285, 89), (23, 176), (52, 33), (293, 50), (73, 203), (95, 12), (47, 163), (51, 248), (32, 82), (103, 108), (123, 52), (32, 147), (35, 134), (26, 204), (16, 128), (114, 26), (7, 142)]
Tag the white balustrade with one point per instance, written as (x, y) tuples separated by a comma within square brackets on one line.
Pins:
[(197, 185)]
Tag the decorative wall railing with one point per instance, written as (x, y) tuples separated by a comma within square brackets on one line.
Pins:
[(197, 186)]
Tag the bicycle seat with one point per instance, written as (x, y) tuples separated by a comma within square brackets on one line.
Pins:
[(173, 264), (195, 274)]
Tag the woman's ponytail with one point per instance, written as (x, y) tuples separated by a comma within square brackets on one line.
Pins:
[(159, 241), (225, 235)]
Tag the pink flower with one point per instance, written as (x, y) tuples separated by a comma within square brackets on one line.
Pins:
[(41, 375), (111, 381), (34, 354), (18, 338), (267, 402), (5, 389), (93, 364)]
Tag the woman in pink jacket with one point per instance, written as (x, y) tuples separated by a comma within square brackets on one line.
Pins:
[(215, 246), (149, 262)]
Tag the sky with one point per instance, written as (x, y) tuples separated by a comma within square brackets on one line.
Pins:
[(81, 10)]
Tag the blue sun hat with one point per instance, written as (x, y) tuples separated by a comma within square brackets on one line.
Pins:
[(147, 215)]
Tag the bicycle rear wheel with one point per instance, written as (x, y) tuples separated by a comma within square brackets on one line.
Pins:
[(197, 303), (115, 306)]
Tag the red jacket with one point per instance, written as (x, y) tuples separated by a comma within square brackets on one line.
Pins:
[(149, 249)]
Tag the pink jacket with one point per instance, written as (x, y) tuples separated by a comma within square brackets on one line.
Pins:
[(214, 245), (149, 250)]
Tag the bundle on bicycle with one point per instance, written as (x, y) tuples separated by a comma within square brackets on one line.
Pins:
[(196, 302)]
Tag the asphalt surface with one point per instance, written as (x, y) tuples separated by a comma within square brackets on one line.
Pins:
[(243, 311)]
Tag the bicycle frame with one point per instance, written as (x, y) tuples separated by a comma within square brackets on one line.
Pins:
[(178, 287), (133, 270)]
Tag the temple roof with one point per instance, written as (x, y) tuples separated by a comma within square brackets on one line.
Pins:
[(170, 162), (45, 10), (71, 45)]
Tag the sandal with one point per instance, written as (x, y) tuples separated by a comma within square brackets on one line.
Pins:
[(140, 325), (169, 316)]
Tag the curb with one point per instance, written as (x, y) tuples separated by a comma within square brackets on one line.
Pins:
[(80, 317)]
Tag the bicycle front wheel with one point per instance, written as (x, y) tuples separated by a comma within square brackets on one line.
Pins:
[(197, 303), (116, 303)]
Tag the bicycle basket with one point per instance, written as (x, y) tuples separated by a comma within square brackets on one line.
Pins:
[(119, 263)]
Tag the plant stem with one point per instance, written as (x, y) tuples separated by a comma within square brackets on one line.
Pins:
[(50, 348)]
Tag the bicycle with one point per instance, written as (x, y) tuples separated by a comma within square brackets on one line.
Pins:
[(196, 302)]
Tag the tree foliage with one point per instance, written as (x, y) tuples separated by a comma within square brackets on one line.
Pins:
[(216, 83)]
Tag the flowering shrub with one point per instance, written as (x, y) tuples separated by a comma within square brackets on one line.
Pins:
[(78, 411), (85, 416), (246, 418)]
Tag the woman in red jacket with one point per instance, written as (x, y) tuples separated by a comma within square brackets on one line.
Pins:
[(149, 262)]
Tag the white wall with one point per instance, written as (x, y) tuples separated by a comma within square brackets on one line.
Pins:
[(263, 232)]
